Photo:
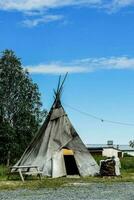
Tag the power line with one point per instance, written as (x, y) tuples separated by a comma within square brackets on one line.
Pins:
[(99, 118)]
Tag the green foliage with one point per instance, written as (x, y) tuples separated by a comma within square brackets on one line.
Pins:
[(20, 107), (131, 143), (3, 171), (98, 158), (127, 163), (35, 183), (6, 140), (127, 155), (127, 173)]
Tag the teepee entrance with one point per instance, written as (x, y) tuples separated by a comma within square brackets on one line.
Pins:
[(70, 163)]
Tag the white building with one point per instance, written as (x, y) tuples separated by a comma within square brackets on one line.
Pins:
[(110, 149), (127, 149)]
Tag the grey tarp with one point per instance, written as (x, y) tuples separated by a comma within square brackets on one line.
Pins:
[(55, 134)]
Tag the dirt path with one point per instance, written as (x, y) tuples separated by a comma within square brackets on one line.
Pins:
[(91, 191)]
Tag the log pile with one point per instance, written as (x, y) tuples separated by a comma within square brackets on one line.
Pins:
[(107, 167)]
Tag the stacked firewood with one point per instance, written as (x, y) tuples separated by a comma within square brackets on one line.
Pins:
[(107, 167)]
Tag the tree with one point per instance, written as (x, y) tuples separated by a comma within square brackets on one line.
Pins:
[(20, 107), (131, 143)]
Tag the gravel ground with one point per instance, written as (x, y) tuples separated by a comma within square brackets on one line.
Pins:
[(91, 191)]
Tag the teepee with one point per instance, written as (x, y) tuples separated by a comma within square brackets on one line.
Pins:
[(57, 148)]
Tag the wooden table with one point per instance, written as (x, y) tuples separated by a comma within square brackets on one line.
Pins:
[(25, 170)]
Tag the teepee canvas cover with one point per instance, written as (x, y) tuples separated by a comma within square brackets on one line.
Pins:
[(56, 134)]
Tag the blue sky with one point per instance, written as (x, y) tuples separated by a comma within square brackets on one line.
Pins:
[(91, 39)]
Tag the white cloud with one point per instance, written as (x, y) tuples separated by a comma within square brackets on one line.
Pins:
[(122, 3), (32, 13), (116, 5), (55, 69), (23, 5), (34, 10), (123, 62), (41, 20), (31, 5), (87, 65), (118, 63)]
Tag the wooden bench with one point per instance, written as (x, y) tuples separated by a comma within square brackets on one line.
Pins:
[(25, 171)]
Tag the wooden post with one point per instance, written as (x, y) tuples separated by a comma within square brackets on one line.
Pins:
[(22, 178)]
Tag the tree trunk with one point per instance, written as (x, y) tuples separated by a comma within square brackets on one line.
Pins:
[(8, 158)]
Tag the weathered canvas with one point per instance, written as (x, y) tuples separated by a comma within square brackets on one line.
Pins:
[(55, 134)]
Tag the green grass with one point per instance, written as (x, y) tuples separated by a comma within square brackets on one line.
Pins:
[(127, 163), (127, 172), (61, 182), (3, 172)]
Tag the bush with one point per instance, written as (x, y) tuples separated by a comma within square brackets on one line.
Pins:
[(127, 163), (127, 155), (98, 158)]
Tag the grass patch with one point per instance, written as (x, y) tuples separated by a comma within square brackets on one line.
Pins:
[(62, 182), (127, 163), (127, 172), (3, 172)]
